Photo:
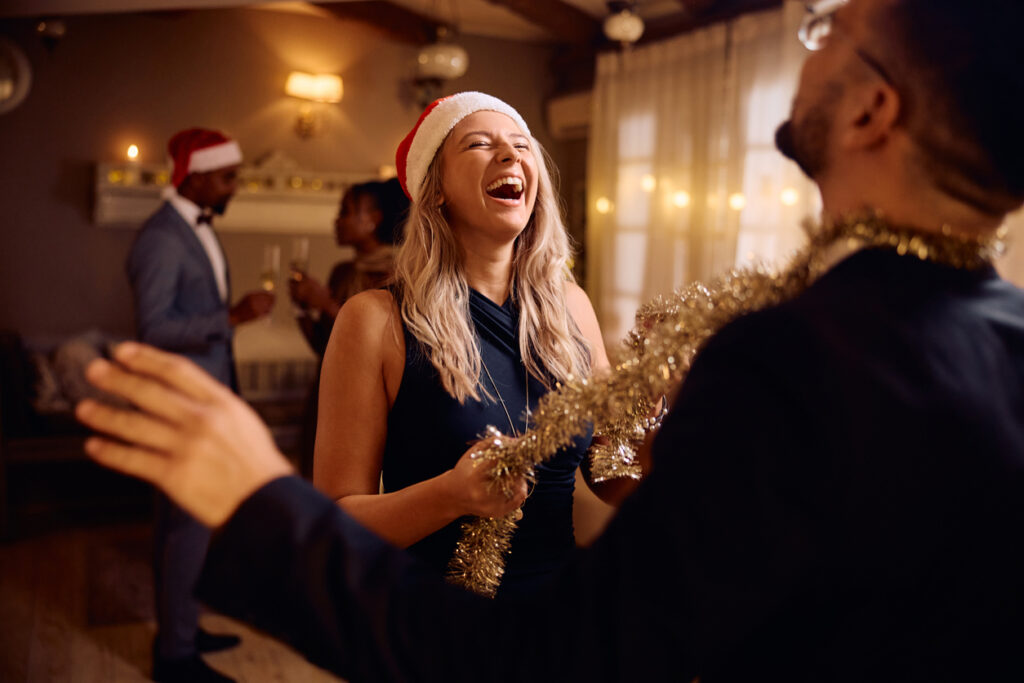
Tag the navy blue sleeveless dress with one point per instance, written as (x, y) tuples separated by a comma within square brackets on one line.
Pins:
[(428, 431)]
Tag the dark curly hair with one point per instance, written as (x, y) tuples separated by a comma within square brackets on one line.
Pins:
[(392, 203)]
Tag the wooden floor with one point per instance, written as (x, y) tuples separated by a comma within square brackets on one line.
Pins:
[(50, 631)]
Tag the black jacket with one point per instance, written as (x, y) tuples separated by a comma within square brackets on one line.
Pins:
[(837, 495)]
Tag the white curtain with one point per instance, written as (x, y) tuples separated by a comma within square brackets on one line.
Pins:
[(683, 179)]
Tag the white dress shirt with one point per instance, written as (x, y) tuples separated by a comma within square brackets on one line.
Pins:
[(190, 211)]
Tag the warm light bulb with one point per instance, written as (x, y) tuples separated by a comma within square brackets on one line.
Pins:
[(314, 87), (444, 61), (737, 201), (624, 26), (648, 183), (133, 152), (603, 205), (681, 199), (789, 196)]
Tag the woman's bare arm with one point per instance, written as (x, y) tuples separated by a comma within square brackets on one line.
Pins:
[(612, 491), (361, 373)]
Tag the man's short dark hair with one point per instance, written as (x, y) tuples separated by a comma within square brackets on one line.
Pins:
[(960, 71)]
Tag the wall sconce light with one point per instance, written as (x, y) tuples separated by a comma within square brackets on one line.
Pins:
[(316, 88)]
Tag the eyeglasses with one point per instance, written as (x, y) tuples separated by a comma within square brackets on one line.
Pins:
[(817, 23), (817, 27)]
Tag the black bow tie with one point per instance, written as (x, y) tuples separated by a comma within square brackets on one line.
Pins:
[(205, 218)]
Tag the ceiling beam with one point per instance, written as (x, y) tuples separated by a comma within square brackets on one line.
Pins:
[(567, 23), (696, 6), (713, 12), (393, 21)]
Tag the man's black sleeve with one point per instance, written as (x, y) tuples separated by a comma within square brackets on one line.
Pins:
[(713, 547)]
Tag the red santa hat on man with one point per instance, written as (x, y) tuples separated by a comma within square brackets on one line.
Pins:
[(198, 150), (420, 146)]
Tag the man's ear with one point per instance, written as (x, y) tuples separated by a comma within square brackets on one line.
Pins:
[(870, 116), (187, 184)]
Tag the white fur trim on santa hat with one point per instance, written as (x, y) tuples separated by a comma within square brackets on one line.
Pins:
[(214, 157), (439, 122)]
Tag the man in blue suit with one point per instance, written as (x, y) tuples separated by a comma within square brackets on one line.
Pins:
[(179, 276)]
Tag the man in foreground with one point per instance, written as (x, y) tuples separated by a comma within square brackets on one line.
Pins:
[(837, 493)]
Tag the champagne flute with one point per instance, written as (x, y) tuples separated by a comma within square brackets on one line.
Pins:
[(299, 265), (300, 257), (271, 267)]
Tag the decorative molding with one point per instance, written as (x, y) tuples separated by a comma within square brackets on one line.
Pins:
[(274, 196)]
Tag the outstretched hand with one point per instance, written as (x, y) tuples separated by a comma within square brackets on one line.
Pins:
[(191, 436)]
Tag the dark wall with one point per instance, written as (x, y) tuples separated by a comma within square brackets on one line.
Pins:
[(118, 79)]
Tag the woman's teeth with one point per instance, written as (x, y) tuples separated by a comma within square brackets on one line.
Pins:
[(506, 188)]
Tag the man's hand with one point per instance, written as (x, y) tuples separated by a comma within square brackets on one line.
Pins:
[(191, 437), (251, 306)]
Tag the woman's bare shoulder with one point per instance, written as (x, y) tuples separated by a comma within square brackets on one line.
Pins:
[(582, 311), (577, 300), (373, 307)]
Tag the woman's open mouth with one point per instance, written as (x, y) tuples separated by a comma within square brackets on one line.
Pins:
[(509, 187)]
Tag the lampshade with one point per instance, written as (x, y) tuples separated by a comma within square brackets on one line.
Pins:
[(624, 26), (315, 87), (443, 61)]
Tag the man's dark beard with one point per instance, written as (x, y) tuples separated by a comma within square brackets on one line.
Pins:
[(220, 208), (795, 145), (807, 143)]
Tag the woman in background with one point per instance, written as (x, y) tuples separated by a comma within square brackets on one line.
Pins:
[(483, 318), (370, 220)]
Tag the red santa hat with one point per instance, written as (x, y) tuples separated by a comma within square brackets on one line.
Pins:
[(198, 150), (420, 146)]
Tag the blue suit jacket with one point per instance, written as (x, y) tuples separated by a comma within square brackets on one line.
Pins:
[(177, 304)]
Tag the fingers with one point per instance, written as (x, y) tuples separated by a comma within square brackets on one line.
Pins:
[(173, 370), (498, 504), (148, 394), (137, 462), (134, 427)]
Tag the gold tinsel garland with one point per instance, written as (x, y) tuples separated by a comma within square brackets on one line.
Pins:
[(669, 333)]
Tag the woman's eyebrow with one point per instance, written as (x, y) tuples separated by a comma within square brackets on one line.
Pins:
[(472, 133), (489, 134)]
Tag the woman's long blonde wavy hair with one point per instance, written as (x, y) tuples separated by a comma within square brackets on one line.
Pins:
[(434, 296)]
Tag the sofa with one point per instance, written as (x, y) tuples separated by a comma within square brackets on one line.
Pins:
[(37, 428)]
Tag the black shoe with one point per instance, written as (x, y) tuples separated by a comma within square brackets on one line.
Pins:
[(187, 670), (215, 642)]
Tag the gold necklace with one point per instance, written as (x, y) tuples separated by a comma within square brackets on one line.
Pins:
[(518, 514), (526, 384)]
